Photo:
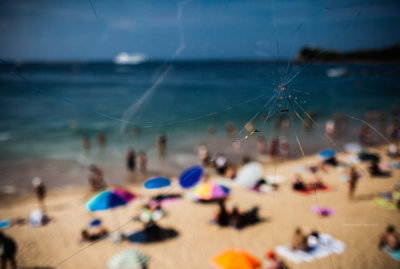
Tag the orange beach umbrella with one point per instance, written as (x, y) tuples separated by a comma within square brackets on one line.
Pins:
[(234, 258)]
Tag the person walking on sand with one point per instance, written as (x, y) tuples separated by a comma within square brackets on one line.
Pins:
[(353, 179), (40, 191), (8, 249)]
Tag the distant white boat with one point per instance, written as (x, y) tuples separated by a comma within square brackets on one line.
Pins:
[(337, 72), (126, 58)]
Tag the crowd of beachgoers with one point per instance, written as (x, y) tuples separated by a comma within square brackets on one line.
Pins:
[(212, 182)]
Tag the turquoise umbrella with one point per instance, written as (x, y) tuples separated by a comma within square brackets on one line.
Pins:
[(129, 259), (109, 199)]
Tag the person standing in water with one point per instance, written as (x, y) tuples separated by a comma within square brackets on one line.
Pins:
[(86, 144), (40, 192), (162, 145), (101, 140), (261, 145), (131, 160), (142, 159)]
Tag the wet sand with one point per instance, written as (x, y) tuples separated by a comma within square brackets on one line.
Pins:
[(357, 223)]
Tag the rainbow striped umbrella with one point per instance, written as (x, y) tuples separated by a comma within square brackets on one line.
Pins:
[(210, 191)]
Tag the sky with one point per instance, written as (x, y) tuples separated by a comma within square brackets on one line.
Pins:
[(192, 29)]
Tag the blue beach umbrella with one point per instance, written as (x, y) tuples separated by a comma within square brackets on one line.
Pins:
[(157, 183), (5, 224), (190, 177), (105, 200), (326, 153)]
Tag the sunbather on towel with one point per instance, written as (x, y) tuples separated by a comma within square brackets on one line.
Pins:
[(93, 236), (298, 183), (299, 241)]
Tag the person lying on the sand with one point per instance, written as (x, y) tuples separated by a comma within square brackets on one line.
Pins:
[(87, 236), (390, 239), (375, 170), (298, 183), (331, 161), (235, 218), (316, 183), (299, 241)]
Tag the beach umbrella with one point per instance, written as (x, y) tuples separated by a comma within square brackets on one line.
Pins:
[(353, 147), (210, 191), (156, 183), (233, 258), (190, 177), (365, 156), (326, 154), (109, 199), (249, 175), (126, 195), (5, 224), (129, 259)]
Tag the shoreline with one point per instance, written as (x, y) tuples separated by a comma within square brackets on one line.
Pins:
[(283, 211)]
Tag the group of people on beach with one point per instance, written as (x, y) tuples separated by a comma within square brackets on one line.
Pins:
[(235, 218)]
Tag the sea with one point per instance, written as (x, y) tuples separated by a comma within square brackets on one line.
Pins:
[(46, 109)]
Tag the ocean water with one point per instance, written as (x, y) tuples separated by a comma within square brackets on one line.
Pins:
[(46, 116)]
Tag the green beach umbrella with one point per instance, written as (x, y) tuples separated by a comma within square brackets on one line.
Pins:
[(129, 259)]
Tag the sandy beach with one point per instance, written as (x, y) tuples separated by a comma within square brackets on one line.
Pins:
[(357, 223)]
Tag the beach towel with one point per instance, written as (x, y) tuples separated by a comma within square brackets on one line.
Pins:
[(322, 211), (382, 202), (167, 201), (395, 254), (326, 245), (309, 190)]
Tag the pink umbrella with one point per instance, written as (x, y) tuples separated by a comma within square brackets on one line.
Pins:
[(126, 195)]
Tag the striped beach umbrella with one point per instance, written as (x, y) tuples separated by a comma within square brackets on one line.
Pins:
[(210, 191), (109, 199), (129, 259)]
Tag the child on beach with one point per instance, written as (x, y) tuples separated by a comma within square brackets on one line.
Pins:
[(299, 241), (390, 239), (40, 192)]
